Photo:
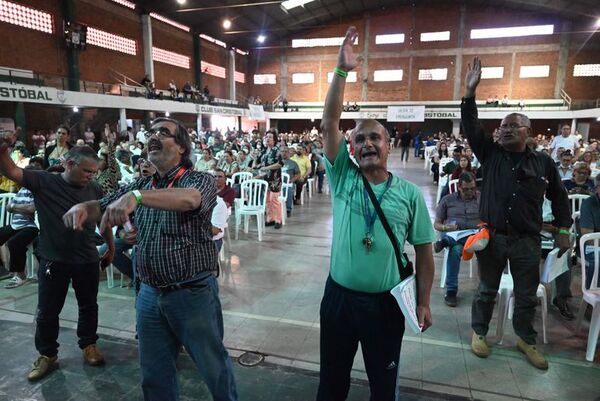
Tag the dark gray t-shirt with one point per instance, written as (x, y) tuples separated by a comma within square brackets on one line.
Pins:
[(290, 167), (53, 197)]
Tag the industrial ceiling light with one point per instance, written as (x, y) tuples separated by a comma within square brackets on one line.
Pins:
[(226, 23), (75, 109), (167, 114), (261, 38), (598, 23), (289, 4), (181, 2)]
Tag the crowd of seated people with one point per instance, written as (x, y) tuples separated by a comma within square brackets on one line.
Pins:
[(185, 92), (577, 163), (124, 159)]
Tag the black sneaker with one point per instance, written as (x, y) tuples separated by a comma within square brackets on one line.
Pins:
[(269, 223), (277, 226), (289, 213), (563, 309), (438, 246), (450, 299)]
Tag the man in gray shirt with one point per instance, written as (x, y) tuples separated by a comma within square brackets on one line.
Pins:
[(456, 211)]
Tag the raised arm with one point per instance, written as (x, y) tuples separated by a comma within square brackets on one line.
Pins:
[(330, 124), (8, 168), (476, 136)]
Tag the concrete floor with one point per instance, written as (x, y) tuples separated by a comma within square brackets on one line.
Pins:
[(270, 293)]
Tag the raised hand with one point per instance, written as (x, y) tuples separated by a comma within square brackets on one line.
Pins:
[(7, 140), (347, 60), (473, 77)]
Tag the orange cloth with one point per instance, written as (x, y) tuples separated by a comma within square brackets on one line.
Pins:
[(273, 207), (476, 242)]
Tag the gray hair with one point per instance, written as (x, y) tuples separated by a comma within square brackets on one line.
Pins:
[(78, 153)]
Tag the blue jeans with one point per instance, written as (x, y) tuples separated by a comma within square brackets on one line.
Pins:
[(191, 317), (453, 265), (320, 176), (121, 261)]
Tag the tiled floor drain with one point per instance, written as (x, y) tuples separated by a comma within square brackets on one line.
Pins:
[(250, 358)]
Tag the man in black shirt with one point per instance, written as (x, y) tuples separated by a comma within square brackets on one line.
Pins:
[(65, 255), (178, 303), (516, 179), (405, 140)]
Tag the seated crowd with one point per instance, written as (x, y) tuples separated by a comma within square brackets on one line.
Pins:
[(457, 172), (123, 159)]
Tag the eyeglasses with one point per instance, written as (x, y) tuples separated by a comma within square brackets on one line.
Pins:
[(512, 127), (161, 133), (61, 132)]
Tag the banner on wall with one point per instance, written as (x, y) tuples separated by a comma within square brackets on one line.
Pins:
[(257, 112), (405, 113)]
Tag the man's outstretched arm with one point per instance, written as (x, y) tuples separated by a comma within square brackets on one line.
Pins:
[(330, 124)]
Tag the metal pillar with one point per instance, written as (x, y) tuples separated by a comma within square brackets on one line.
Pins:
[(147, 46), (72, 54), (231, 74), (197, 58), (123, 120)]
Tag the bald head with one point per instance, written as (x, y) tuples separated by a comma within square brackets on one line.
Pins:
[(369, 125)]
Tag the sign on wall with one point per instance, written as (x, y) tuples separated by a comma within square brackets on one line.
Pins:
[(49, 95), (257, 112), (405, 113)]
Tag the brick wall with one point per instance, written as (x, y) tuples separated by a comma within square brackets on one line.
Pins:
[(95, 62), (413, 20), (33, 50), (175, 40)]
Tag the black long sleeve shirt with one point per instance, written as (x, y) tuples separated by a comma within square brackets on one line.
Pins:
[(512, 195)]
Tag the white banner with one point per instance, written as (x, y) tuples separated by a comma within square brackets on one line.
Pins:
[(440, 115), (257, 112), (406, 113), (49, 95)]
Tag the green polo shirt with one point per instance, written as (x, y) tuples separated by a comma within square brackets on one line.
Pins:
[(404, 207)]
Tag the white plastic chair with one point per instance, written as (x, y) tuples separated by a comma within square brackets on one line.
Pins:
[(445, 264), (576, 200), (429, 152), (453, 185), (253, 203), (442, 181), (285, 189), (310, 183), (241, 176), (5, 199), (591, 296), (506, 305)]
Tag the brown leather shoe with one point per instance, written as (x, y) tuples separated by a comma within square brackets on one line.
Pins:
[(534, 356), (41, 367), (92, 356), (479, 346)]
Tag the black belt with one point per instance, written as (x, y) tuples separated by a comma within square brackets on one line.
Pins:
[(181, 286)]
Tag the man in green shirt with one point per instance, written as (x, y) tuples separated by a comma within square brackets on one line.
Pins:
[(357, 305)]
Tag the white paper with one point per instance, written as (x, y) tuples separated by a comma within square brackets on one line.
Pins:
[(554, 266), (460, 234), (406, 296)]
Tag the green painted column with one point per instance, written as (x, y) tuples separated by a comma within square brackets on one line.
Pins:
[(20, 121), (72, 54), (197, 56)]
